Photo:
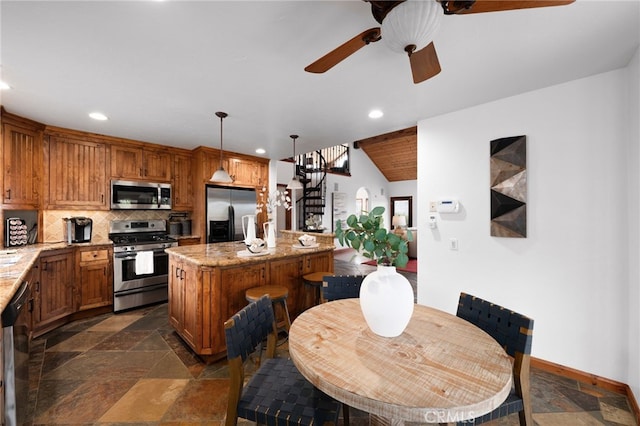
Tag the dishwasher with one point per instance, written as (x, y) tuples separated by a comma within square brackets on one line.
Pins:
[(15, 336)]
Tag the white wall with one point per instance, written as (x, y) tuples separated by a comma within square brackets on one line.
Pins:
[(571, 273), (633, 71), (364, 174)]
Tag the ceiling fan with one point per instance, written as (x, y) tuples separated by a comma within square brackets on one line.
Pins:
[(409, 25)]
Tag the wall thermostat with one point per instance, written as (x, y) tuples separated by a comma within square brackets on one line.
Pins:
[(448, 206)]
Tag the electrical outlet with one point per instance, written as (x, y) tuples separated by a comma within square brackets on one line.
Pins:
[(453, 244), (433, 206)]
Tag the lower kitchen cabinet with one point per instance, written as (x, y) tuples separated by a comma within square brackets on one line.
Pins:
[(235, 281), (185, 300), (288, 273), (202, 298), (94, 274), (68, 284), (53, 290)]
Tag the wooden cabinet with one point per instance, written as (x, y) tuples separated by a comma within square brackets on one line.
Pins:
[(182, 182), (77, 174), (54, 289), (94, 276), (140, 163), (191, 241), (185, 301), (246, 172), (202, 298), (288, 273), (21, 164), (318, 262), (234, 282)]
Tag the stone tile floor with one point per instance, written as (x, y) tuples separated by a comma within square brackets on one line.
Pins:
[(132, 369)]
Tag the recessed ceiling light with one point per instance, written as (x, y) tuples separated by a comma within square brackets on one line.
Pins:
[(4, 86), (98, 116), (260, 151), (376, 113)]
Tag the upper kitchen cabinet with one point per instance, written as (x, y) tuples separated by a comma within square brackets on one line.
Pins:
[(247, 172), (182, 182), (21, 162), (129, 162), (77, 171)]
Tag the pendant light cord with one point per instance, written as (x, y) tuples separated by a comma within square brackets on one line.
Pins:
[(222, 115)]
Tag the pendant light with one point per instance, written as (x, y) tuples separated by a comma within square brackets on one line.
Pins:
[(221, 175), (294, 183)]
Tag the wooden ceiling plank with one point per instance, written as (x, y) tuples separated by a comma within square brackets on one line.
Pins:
[(394, 153)]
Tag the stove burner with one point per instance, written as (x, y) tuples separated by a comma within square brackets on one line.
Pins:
[(141, 238), (127, 232)]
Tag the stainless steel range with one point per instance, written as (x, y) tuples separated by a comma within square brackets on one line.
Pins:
[(141, 266)]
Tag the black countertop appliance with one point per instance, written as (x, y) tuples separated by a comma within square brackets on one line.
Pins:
[(79, 229)]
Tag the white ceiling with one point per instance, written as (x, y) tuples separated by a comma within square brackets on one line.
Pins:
[(160, 70)]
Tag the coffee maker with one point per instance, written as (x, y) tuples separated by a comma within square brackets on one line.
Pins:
[(79, 229)]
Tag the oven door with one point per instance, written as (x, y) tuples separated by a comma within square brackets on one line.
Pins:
[(125, 277)]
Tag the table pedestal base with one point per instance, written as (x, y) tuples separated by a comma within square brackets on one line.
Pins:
[(376, 420)]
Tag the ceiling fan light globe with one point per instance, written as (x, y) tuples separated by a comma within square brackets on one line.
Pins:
[(411, 22)]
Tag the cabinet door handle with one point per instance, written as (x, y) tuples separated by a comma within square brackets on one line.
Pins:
[(37, 286), (182, 274), (8, 194)]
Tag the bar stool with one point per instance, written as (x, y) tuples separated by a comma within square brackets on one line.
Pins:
[(314, 280), (278, 295)]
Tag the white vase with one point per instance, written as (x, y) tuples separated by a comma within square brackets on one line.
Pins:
[(386, 300), (270, 233)]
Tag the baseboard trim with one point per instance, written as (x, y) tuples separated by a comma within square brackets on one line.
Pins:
[(592, 379)]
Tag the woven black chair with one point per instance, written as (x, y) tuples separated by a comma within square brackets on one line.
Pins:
[(335, 287), (276, 394), (514, 332)]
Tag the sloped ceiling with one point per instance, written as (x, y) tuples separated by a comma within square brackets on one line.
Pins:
[(395, 153)]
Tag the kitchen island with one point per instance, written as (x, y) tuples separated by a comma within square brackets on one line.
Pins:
[(207, 284)]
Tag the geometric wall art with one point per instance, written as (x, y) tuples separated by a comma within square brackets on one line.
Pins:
[(508, 166)]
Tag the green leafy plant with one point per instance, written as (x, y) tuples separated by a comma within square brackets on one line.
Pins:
[(366, 233)]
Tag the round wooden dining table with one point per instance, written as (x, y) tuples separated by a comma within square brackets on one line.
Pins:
[(441, 369)]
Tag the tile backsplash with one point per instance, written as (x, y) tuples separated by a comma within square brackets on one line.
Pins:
[(55, 226)]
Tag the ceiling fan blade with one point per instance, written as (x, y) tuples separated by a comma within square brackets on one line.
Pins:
[(462, 7), (424, 63), (343, 51)]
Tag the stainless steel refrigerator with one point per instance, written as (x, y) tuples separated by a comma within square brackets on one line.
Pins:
[(225, 208)]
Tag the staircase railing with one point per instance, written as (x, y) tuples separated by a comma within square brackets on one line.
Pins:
[(311, 169)]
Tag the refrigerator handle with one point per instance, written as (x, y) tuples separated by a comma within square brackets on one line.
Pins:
[(232, 224)]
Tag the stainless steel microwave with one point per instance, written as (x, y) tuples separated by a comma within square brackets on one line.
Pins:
[(130, 195)]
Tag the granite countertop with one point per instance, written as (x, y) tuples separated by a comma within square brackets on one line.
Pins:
[(234, 253), (15, 263)]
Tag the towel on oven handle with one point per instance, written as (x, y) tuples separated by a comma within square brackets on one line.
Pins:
[(144, 262)]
